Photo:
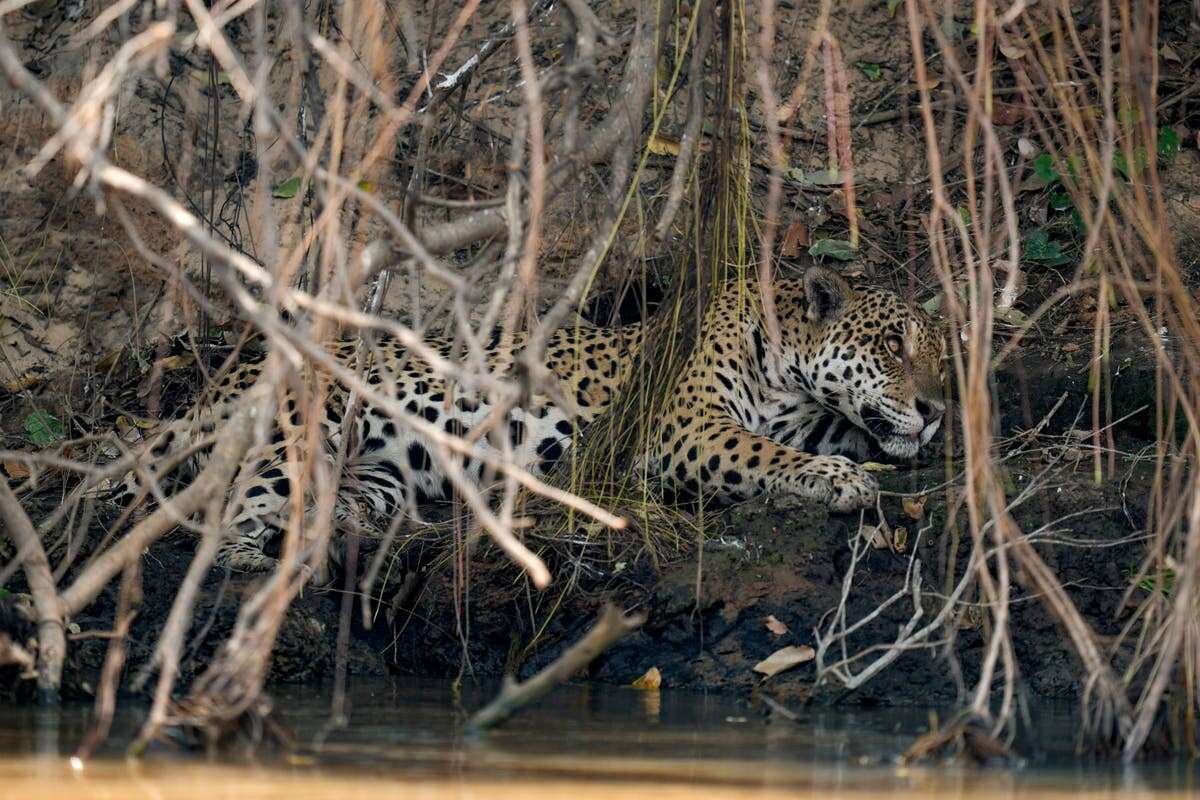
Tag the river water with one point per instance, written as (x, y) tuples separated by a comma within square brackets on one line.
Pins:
[(405, 739)]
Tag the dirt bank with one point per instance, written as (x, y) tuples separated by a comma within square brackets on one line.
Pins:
[(780, 559), (709, 611)]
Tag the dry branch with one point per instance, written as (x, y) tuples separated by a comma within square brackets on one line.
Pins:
[(214, 479), (52, 638), (622, 121), (612, 626)]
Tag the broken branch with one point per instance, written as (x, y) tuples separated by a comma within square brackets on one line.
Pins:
[(612, 626)]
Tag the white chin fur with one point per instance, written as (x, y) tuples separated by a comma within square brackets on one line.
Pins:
[(907, 446), (900, 446)]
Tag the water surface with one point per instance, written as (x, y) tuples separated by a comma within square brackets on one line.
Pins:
[(405, 738)]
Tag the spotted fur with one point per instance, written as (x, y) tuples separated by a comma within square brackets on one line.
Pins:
[(858, 371)]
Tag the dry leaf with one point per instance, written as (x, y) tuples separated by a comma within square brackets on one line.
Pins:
[(1070, 347), (16, 469), (879, 536), (651, 680), (775, 626), (662, 146), (785, 658), (1026, 148), (914, 507), (1012, 51), (795, 238), (931, 82), (900, 540), (25, 381), (129, 430), (1168, 53), (177, 362), (109, 358), (875, 466), (1007, 114)]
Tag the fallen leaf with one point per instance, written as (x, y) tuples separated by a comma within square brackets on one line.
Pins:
[(16, 469), (651, 680), (1007, 114), (840, 249), (1026, 147), (1168, 53), (875, 466), (931, 82), (785, 658), (1070, 347), (129, 430), (177, 362), (109, 358), (662, 146), (900, 540), (1012, 51), (821, 177), (775, 626), (1012, 316), (795, 238), (43, 429), (872, 71), (287, 189), (25, 381), (879, 536), (914, 507)]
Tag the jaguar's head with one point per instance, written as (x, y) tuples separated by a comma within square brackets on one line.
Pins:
[(868, 354)]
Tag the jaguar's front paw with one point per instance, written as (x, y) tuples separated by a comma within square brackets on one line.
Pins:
[(840, 483), (241, 558)]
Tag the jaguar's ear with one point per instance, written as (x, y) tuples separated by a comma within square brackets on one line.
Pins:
[(827, 294)]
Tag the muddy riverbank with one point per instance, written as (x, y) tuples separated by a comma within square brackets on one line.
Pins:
[(769, 573)]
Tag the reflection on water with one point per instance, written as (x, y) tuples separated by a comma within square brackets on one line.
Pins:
[(587, 741)]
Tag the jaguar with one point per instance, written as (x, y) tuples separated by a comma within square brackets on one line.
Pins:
[(856, 372)]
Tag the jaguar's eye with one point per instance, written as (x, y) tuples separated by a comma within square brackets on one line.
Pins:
[(895, 344)]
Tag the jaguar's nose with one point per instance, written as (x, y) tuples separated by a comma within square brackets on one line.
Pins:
[(930, 410)]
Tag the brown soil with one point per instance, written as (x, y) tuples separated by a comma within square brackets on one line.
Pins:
[(779, 558)]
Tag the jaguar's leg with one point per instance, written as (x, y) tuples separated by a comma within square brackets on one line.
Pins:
[(158, 452), (256, 515), (723, 458)]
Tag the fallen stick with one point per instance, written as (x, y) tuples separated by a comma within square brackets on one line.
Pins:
[(612, 626)]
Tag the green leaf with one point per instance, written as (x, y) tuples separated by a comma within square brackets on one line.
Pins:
[(287, 189), (892, 6), (1039, 247), (1060, 201), (1168, 143), (1074, 165), (43, 429), (1140, 162), (1164, 580), (4, 592), (834, 248), (872, 71), (1077, 221), (1043, 167), (932, 305)]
